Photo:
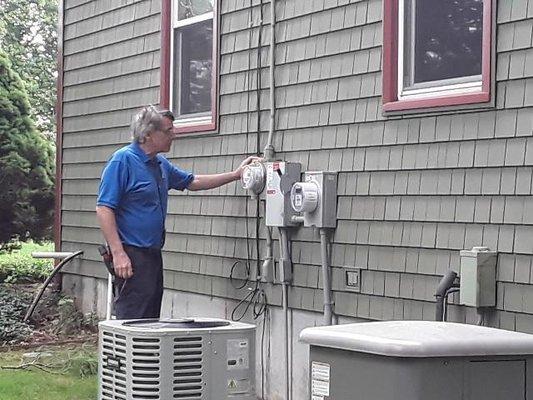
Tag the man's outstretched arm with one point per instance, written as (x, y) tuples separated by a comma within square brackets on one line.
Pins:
[(203, 182)]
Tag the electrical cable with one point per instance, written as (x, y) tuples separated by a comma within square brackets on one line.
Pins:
[(256, 298)]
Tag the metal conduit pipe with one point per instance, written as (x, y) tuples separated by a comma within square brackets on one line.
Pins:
[(326, 277), (269, 150), (284, 263), (266, 274), (445, 284)]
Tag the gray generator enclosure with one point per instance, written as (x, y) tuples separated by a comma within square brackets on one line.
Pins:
[(185, 359), (418, 360)]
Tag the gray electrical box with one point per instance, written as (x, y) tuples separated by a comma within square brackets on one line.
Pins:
[(478, 277), (316, 199), (280, 176), (418, 360)]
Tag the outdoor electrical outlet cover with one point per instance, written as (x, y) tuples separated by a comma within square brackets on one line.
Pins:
[(352, 279)]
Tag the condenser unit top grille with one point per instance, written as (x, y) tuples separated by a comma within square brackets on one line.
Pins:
[(152, 327), (175, 324)]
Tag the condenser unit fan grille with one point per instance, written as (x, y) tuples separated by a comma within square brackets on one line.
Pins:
[(146, 367), (113, 366), (188, 368)]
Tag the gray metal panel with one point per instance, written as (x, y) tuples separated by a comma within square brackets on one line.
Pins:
[(360, 376)]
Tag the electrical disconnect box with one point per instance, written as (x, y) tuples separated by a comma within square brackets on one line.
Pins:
[(280, 176), (316, 198), (478, 277)]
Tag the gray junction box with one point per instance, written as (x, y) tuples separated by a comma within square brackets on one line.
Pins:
[(200, 359), (478, 277), (418, 360)]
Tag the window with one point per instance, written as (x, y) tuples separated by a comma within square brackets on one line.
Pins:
[(436, 53), (189, 63)]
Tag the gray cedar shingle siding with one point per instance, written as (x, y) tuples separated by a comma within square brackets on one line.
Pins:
[(413, 191)]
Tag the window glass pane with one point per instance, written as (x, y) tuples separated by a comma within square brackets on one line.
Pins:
[(192, 8), (194, 46), (443, 39)]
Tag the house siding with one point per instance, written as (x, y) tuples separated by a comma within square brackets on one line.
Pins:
[(413, 190)]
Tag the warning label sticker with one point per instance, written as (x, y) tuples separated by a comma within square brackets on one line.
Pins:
[(239, 386), (320, 376), (238, 354)]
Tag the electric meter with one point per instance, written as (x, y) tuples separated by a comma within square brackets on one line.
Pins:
[(316, 199), (304, 196), (253, 177)]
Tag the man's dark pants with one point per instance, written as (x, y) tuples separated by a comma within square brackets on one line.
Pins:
[(140, 295)]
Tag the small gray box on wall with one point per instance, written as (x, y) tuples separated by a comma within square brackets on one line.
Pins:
[(478, 277), (352, 279)]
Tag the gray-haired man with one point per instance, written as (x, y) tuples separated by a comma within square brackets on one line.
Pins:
[(132, 205)]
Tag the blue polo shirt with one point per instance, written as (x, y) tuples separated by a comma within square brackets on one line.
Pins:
[(136, 187)]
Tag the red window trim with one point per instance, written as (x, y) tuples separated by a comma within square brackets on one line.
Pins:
[(390, 66), (166, 62)]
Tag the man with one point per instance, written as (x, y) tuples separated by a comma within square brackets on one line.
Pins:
[(132, 205)]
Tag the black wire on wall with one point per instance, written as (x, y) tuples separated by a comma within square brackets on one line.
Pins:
[(255, 299)]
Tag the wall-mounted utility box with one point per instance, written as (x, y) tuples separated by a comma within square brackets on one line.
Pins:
[(280, 176), (316, 198), (352, 279), (478, 277)]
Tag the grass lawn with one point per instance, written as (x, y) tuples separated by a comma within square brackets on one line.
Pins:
[(32, 384), (19, 265)]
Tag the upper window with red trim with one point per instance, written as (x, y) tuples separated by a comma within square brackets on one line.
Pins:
[(436, 53), (189, 88)]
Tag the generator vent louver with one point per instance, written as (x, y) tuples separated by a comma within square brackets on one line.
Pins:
[(113, 381), (188, 371)]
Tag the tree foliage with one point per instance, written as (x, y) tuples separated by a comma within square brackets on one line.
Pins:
[(28, 34), (26, 162)]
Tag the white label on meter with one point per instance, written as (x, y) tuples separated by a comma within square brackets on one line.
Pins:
[(320, 373), (313, 397)]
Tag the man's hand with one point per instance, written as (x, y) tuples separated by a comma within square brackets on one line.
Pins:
[(122, 264), (249, 160)]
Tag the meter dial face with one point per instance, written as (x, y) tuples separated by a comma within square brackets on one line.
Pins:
[(304, 196), (253, 178)]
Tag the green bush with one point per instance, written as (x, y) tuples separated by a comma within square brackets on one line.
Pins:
[(19, 266), (13, 306)]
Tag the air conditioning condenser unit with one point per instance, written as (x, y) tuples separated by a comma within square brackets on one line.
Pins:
[(185, 359)]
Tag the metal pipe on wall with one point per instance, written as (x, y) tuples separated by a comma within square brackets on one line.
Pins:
[(326, 277), (269, 150), (284, 262)]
